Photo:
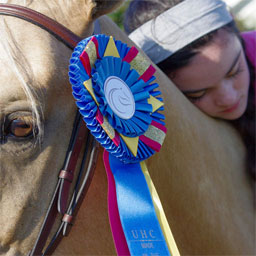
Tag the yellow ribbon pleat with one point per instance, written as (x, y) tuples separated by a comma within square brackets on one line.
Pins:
[(160, 213), (131, 143)]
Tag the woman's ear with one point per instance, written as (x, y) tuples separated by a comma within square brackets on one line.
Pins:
[(104, 6)]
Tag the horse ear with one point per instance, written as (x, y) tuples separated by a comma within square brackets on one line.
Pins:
[(104, 6)]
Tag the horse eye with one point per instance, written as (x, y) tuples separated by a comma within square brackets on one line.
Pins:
[(20, 128)]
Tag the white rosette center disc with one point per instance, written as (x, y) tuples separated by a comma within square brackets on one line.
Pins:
[(119, 97)]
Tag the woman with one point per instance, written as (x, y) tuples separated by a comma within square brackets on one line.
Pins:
[(196, 43)]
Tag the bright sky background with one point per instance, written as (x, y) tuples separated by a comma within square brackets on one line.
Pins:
[(244, 10)]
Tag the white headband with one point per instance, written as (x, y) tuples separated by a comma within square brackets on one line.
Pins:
[(179, 26)]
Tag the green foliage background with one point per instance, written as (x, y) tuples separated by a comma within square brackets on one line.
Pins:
[(118, 15)]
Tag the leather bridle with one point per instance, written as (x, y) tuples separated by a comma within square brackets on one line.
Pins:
[(80, 135)]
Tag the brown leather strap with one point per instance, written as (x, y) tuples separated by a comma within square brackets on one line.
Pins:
[(39, 19), (77, 198), (78, 136), (70, 167)]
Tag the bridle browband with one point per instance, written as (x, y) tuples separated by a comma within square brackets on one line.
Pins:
[(59, 31), (60, 197)]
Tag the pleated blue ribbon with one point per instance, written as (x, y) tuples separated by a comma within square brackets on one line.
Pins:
[(137, 214)]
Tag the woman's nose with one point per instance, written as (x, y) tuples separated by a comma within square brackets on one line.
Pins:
[(227, 94)]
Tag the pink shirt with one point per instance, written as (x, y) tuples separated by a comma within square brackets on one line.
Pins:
[(250, 48), (250, 45)]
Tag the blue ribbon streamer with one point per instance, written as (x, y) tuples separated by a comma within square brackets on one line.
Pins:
[(139, 221)]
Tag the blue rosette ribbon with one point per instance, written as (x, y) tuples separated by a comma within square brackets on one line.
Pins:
[(116, 93)]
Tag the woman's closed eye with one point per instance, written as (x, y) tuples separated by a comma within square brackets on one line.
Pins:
[(236, 68), (234, 72), (195, 96)]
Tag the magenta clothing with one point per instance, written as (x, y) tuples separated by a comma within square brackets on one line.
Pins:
[(249, 38), (250, 45)]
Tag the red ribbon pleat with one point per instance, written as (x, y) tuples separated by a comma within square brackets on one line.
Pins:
[(114, 217)]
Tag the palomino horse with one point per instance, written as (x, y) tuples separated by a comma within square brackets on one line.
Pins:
[(199, 173)]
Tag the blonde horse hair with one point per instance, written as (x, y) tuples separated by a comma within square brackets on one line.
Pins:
[(21, 68)]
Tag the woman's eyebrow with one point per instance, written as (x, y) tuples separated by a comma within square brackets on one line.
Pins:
[(234, 62)]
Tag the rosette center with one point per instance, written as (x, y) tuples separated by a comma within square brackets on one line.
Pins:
[(119, 97)]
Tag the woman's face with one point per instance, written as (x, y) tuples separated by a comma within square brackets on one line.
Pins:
[(217, 78)]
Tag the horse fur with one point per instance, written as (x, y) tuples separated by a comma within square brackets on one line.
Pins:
[(199, 173)]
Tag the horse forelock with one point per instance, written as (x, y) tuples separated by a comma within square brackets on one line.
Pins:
[(23, 71)]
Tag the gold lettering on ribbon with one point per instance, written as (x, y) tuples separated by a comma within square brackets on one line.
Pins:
[(147, 245), (151, 234), (135, 234), (142, 234)]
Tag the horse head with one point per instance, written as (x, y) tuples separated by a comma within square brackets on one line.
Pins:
[(199, 173)]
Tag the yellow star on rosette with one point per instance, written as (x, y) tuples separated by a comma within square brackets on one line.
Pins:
[(88, 86), (111, 49), (156, 104), (131, 143)]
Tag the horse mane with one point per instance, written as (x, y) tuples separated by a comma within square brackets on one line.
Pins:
[(23, 72)]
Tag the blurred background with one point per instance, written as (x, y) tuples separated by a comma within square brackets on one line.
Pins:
[(244, 12)]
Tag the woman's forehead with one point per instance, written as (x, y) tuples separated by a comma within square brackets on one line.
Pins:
[(223, 42), (210, 64)]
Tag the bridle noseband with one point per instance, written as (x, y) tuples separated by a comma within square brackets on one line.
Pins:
[(59, 200)]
